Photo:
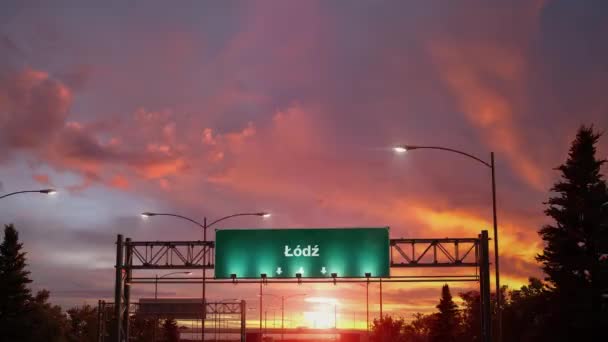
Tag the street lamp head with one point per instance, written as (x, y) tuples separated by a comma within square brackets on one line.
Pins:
[(263, 214), (48, 191), (404, 148), (147, 214)]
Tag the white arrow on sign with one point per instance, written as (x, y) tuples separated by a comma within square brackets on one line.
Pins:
[(279, 271), (323, 270)]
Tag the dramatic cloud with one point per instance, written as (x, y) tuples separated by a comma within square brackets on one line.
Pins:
[(207, 110)]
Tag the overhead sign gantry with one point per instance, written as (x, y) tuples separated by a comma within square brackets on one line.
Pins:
[(265, 256)]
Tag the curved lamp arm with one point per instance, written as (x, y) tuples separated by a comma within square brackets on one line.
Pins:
[(148, 214), (43, 191), (404, 148), (241, 214)]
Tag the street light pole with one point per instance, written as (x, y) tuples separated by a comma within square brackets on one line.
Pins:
[(335, 315), (491, 165), (282, 308), (204, 226), (42, 191), (261, 302), (380, 298), (367, 307), (156, 277)]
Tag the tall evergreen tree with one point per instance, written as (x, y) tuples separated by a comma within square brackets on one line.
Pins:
[(171, 330), (14, 293), (446, 326), (576, 241)]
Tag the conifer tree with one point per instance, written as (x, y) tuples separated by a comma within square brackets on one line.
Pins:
[(576, 241), (447, 321), (15, 295)]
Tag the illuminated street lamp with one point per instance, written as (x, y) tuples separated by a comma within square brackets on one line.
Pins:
[(42, 191), (204, 226), (406, 148)]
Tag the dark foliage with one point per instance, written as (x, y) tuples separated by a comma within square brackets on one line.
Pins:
[(170, 330), (15, 296), (83, 324), (576, 242), (387, 329), (446, 326)]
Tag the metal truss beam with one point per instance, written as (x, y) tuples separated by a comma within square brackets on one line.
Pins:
[(396, 279), (171, 254), (434, 252)]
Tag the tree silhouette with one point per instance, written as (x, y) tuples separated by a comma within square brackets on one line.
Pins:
[(83, 323), (142, 328), (447, 322), (525, 312), (14, 293), (387, 329), (471, 316), (171, 330), (44, 321), (419, 330), (576, 241)]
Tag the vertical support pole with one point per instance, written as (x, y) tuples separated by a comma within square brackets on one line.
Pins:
[(282, 318), (127, 285), (367, 307), (204, 299), (484, 272), (261, 296), (156, 306), (498, 293), (381, 317), (99, 338), (243, 320), (118, 289), (335, 315), (380, 298)]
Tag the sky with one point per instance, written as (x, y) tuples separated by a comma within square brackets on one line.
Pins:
[(206, 109)]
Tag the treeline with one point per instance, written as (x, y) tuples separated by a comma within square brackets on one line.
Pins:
[(524, 318), (571, 305), (31, 318)]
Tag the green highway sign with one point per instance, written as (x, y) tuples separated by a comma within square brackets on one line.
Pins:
[(313, 253)]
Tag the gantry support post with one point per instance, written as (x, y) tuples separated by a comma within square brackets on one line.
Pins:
[(118, 289), (127, 287), (484, 283), (243, 320), (99, 322)]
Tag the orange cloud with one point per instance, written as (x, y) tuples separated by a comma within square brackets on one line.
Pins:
[(42, 179), (467, 69), (162, 168), (119, 182)]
